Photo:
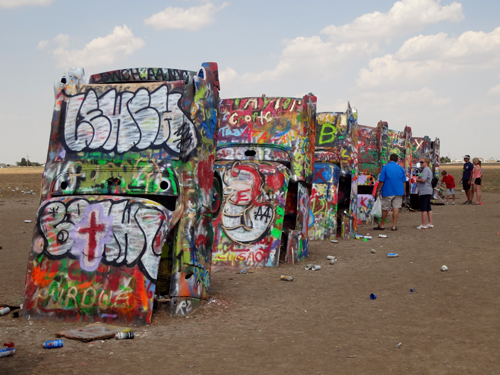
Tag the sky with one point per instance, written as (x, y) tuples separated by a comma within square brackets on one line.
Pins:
[(428, 64)]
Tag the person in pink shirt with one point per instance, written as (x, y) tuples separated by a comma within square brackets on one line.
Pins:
[(476, 180), (449, 182)]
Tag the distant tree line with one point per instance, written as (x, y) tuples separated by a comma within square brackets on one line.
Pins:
[(27, 163), (444, 159)]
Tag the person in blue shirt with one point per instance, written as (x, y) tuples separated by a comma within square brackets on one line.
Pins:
[(468, 167), (392, 187)]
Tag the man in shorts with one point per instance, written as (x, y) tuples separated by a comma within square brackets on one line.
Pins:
[(465, 181), (392, 187)]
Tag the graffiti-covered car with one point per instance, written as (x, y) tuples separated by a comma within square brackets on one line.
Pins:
[(399, 143), (333, 199), (372, 144), (265, 148), (126, 195)]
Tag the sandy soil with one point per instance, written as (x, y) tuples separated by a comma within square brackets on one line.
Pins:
[(321, 323)]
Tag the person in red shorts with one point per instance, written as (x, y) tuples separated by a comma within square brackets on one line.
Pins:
[(449, 181)]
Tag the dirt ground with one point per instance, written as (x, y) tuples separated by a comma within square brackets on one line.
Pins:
[(321, 323)]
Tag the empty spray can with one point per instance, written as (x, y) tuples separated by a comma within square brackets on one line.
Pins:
[(8, 351), (124, 335), (52, 344), (392, 255), (4, 310), (286, 278)]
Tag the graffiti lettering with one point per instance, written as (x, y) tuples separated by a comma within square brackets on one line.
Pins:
[(327, 134), (123, 121), (114, 232)]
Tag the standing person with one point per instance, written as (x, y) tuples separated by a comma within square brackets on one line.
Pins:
[(424, 185), (465, 181), (449, 181), (392, 187), (476, 179)]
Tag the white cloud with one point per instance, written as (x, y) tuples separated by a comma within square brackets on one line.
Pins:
[(227, 75), (62, 40), (42, 44), (418, 99), (346, 45), (388, 70), (422, 58), (405, 16), (100, 51), (307, 59), (469, 48), (494, 90), (17, 3), (191, 19)]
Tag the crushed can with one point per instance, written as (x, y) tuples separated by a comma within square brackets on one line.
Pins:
[(52, 344), (8, 351), (382, 235), (4, 310), (392, 255), (124, 335), (286, 278)]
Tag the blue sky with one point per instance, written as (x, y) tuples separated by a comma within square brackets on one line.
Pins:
[(429, 64)]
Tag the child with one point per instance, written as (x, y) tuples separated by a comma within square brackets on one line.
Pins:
[(476, 179), (449, 181)]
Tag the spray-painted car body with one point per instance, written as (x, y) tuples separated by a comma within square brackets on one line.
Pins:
[(399, 143), (335, 160), (438, 193), (127, 186), (435, 157), (372, 144), (376, 145), (265, 148)]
